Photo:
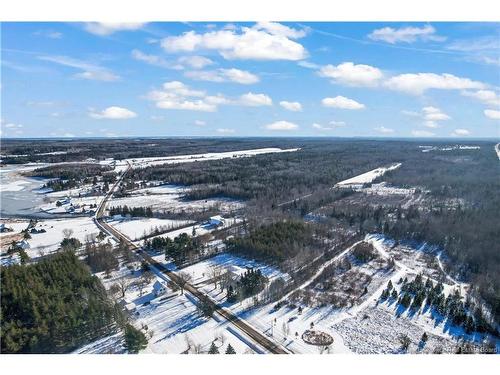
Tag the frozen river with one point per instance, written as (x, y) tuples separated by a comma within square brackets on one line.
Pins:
[(20, 195)]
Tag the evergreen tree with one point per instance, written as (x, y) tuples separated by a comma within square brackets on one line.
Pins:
[(230, 349), (389, 285), (135, 340), (424, 337), (213, 349)]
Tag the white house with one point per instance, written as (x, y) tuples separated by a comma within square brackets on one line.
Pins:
[(216, 220), (159, 289), (65, 200), (130, 308)]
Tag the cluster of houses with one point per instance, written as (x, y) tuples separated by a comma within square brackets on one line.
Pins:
[(73, 208)]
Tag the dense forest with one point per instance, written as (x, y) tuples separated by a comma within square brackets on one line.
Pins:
[(70, 171), (17, 151), (274, 178), (53, 306), (275, 242)]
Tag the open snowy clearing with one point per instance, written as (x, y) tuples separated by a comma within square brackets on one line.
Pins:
[(174, 203), (200, 229), (44, 243), (136, 228), (368, 177), (448, 148), (147, 162)]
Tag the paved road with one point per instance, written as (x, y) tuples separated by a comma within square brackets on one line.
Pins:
[(255, 335)]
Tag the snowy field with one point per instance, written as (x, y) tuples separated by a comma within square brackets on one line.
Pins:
[(368, 177), (200, 229), (147, 162), (135, 228), (173, 202), (44, 243), (16, 225), (448, 148)]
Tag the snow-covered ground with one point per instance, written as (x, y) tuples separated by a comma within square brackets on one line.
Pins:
[(368, 177), (228, 262), (173, 202), (135, 228), (146, 162), (448, 148), (16, 225), (45, 243), (200, 229), (173, 323), (383, 188)]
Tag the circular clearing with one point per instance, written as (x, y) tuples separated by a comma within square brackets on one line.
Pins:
[(317, 338)]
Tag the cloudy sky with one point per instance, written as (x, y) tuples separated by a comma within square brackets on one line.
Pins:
[(250, 79)]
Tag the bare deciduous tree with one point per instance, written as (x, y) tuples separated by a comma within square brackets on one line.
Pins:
[(183, 279), (215, 273), (67, 233), (123, 285)]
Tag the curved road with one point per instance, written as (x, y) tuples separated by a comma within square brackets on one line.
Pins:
[(255, 335)]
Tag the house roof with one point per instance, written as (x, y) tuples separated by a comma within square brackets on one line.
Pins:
[(217, 217), (158, 285)]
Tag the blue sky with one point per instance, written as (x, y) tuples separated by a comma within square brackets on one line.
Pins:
[(250, 79)]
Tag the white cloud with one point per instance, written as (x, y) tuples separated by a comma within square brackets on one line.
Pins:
[(200, 123), (409, 34), (195, 62), (422, 133), (484, 43), (492, 114), (332, 125), (460, 132), (281, 125), (276, 28), (291, 106), (434, 114), (224, 75), (177, 95), (351, 74), (255, 100), (342, 102), (89, 71), (11, 125), (418, 83), (410, 113), (308, 65), (268, 41), (384, 130), (49, 34), (488, 97), (225, 131), (431, 124), (113, 113), (108, 28), (155, 60)]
